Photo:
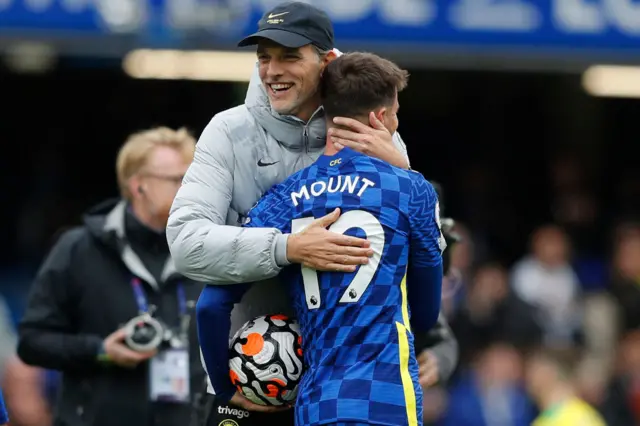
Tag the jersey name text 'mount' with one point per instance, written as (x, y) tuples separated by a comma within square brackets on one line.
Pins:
[(338, 183)]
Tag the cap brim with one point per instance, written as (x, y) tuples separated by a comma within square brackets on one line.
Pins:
[(284, 38)]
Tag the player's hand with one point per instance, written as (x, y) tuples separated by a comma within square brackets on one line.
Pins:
[(119, 353), (374, 140), (323, 250), (240, 401), (428, 374)]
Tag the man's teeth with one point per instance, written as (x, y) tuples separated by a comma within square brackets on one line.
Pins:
[(280, 86)]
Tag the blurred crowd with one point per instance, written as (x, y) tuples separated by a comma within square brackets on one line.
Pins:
[(573, 292), (559, 313), (576, 291), (546, 299)]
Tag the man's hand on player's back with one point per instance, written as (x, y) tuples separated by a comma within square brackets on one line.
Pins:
[(323, 250)]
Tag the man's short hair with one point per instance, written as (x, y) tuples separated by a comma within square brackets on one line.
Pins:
[(133, 155), (357, 83)]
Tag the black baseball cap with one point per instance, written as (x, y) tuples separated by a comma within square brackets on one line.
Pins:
[(294, 24)]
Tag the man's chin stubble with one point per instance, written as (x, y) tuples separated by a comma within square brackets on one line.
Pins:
[(285, 111)]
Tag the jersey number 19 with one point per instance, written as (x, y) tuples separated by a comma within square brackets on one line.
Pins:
[(374, 233)]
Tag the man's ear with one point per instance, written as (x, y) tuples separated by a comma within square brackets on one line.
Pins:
[(329, 57), (380, 114), (133, 185)]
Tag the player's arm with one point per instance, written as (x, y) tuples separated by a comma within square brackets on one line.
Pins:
[(48, 336), (202, 246), (438, 349), (213, 316), (424, 275), (213, 310)]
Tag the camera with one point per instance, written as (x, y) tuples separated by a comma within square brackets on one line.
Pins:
[(145, 333)]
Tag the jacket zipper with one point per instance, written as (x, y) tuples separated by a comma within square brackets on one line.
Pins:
[(306, 140), (305, 132)]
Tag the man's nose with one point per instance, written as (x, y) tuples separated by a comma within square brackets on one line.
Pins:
[(275, 68)]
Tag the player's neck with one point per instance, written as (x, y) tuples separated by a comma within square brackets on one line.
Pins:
[(330, 148)]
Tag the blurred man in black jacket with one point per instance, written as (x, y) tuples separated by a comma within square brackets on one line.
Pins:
[(102, 275)]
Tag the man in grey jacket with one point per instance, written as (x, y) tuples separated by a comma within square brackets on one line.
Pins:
[(245, 150)]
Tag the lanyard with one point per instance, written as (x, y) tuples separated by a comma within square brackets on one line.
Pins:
[(141, 299)]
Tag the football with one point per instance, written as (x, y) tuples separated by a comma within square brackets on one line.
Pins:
[(265, 360)]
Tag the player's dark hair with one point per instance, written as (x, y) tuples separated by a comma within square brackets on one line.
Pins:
[(357, 83)]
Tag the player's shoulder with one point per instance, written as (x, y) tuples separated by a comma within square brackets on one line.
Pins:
[(417, 177), (403, 180), (365, 163), (291, 183), (300, 177), (420, 184)]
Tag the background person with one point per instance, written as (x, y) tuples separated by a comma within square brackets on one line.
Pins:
[(101, 275)]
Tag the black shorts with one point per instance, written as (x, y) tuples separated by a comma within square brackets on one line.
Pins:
[(230, 415)]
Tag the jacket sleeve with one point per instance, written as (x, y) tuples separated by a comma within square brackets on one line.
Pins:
[(202, 246), (48, 336), (445, 348)]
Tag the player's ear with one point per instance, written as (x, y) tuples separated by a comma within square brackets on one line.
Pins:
[(380, 114)]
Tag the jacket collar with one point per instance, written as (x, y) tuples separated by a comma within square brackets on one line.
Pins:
[(114, 224)]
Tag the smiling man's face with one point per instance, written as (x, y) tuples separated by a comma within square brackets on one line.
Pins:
[(291, 77)]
